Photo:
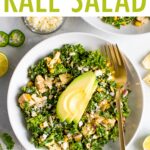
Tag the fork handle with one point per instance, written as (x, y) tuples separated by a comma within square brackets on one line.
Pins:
[(120, 125)]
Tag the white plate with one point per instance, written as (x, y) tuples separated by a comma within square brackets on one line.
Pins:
[(127, 30), (19, 79)]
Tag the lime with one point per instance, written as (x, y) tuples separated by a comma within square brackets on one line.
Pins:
[(146, 143), (3, 64)]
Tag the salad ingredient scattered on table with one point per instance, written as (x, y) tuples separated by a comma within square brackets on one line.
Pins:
[(44, 24), (16, 38), (146, 65), (3, 39), (53, 75), (146, 62), (123, 21), (147, 79), (7, 140), (3, 64)]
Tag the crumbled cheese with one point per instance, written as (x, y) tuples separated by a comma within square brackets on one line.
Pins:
[(72, 54), (44, 24), (34, 114), (39, 101), (80, 68), (85, 69), (110, 77), (146, 62), (88, 145), (43, 137), (98, 73), (65, 145), (80, 124), (45, 124), (51, 121), (95, 137), (112, 93)]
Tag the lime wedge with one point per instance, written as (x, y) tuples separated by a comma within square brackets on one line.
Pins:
[(3, 64), (146, 143)]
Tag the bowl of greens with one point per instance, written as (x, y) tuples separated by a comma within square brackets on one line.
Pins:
[(64, 97), (121, 25)]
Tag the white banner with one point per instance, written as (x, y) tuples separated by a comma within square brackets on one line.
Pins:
[(75, 7)]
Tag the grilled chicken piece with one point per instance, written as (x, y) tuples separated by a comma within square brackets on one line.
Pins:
[(65, 78), (143, 20), (51, 62), (40, 84), (53, 146), (25, 98)]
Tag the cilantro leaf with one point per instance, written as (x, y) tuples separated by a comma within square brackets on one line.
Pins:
[(8, 141)]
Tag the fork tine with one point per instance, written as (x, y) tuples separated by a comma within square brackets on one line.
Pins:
[(118, 55), (121, 56), (112, 56), (103, 51)]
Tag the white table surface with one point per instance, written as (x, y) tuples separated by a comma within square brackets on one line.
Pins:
[(135, 47)]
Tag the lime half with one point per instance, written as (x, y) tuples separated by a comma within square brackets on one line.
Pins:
[(146, 143), (3, 64)]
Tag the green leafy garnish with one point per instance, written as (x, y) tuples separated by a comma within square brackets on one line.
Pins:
[(1, 148), (8, 141)]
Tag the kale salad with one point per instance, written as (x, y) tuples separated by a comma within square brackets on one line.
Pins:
[(118, 22), (48, 78)]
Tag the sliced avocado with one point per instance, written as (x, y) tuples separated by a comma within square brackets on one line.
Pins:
[(88, 97), (82, 105), (74, 93)]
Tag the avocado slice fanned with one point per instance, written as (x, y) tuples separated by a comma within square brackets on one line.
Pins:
[(74, 100)]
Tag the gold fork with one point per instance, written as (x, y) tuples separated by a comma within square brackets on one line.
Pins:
[(117, 62)]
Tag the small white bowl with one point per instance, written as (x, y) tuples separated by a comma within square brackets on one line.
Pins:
[(31, 28)]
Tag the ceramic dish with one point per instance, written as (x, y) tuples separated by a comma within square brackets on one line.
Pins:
[(124, 30), (19, 79), (31, 28)]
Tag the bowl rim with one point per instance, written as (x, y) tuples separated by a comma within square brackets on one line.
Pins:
[(114, 33), (68, 34)]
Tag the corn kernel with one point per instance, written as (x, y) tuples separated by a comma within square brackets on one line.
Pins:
[(65, 138), (59, 61), (99, 89), (138, 23), (108, 64), (112, 89), (41, 126), (30, 83), (123, 23), (51, 70), (115, 18), (28, 96)]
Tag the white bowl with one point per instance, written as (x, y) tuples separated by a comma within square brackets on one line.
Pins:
[(91, 42), (124, 30)]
